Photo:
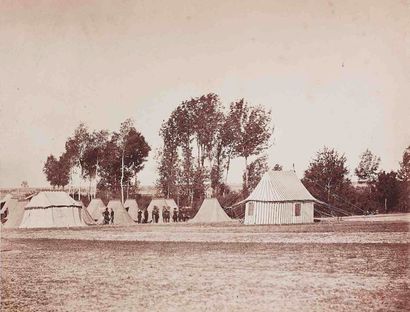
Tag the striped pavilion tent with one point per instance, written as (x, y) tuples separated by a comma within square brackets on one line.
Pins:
[(52, 209), (279, 198)]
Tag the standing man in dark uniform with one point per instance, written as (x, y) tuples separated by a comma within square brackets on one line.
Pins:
[(139, 215), (146, 216), (112, 216), (106, 215), (175, 215), (164, 214)]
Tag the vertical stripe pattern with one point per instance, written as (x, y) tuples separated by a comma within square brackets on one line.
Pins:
[(278, 213)]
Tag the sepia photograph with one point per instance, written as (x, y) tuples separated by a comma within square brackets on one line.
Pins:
[(214, 155)]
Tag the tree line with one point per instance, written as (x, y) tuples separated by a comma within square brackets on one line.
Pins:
[(104, 160), (200, 139), (377, 190)]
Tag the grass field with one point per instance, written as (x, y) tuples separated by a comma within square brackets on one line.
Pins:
[(347, 266)]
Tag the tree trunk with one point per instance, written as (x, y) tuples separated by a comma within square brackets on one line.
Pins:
[(89, 188), (246, 173), (228, 163), (122, 178), (95, 180), (79, 182)]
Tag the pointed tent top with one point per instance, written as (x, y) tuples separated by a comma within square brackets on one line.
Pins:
[(96, 203), (114, 204), (52, 199), (280, 186), (95, 208), (121, 216), (132, 206), (210, 212)]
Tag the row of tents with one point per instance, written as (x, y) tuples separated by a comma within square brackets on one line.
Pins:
[(58, 209), (279, 198)]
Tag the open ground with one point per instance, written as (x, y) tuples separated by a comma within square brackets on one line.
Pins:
[(346, 266)]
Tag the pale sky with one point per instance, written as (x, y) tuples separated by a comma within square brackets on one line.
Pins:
[(334, 73)]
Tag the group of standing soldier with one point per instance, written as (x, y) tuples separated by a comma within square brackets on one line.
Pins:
[(142, 217), (108, 216), (139, 216)]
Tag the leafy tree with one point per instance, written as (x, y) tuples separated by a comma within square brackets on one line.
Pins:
[(110, 167), (326, 177), (57, 171), (256, 170), (168, 169), (50, 170), (252, 127), (191, 136), (368, 167), (168, 160), (207, 118), (93, 154), (404, 171), (404, 177), (75, 151), (200, 141), (228, 137), (63, 171), (124, 156), (388, 190)]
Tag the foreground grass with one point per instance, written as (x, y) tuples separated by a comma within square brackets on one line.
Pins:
[(113, 275)]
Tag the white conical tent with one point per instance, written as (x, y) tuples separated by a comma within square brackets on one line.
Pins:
[(210, 212), (121, 216), (52, 209), (131, 206), (96, 208), (15, 213), (85, 215)]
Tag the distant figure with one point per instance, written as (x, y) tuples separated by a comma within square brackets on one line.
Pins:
[(156, 215), (180, 216), (153, 214), (175, 215), (139, 216), (106, 215), (164, 214), (112, 216), (146, 216)]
